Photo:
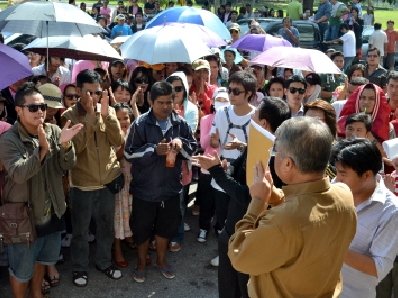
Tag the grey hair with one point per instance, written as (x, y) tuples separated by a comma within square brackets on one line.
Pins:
[(307, 141)]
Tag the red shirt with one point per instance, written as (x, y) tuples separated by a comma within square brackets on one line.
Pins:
[(204, 99), (392, 37)]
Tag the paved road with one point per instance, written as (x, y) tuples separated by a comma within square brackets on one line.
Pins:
[(194, 276)]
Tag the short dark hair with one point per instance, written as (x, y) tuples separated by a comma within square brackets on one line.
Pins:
[(344, 26), (360, 117), (246, 79), (336, 54), (295, 79), (377, 26), (274, 110), (87, 76), (361, 155), (392, 75), (374, 49), (26, 89), (120, 83), (355, 67), (122, 105), (275, 80), (160, 89), (390, 22)]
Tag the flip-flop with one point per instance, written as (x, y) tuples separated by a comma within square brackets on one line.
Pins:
[(45, 287), (54, 281)]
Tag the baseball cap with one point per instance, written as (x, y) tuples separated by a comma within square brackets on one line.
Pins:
[(234, 26), (200, 64), (121, 17), (52, 95)]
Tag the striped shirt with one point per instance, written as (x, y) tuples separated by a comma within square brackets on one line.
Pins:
[(376, 237)]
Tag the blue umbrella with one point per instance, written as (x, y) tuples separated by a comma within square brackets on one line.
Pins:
[(15, 66), (185, 14)]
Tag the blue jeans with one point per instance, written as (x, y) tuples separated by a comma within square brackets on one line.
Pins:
[(333, 32), (180, 234), (22, 258), (99, 204)]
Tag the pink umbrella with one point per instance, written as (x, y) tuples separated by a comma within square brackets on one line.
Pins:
[(259, 42), (298, 58)]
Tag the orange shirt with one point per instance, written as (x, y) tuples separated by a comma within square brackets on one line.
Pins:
[(392, 37)]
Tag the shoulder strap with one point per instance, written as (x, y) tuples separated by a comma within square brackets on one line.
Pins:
[(236, 126)]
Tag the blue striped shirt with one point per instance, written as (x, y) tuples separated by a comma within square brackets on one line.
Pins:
[(376, 236)]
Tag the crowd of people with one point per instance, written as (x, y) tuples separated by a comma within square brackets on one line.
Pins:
[(109, 150)]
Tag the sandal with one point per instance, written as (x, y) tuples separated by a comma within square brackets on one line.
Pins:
[(139, 276), (80, 278), (167, 272), (54, 281), (111, 272), (45, 287)]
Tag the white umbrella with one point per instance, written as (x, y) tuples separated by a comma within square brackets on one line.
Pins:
[(45, 18), (298, 58), (164, 44), (75, 47)]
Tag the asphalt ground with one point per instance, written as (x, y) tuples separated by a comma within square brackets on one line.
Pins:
[(195, 277)]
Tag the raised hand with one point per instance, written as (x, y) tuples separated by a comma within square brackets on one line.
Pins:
[(67, 133), (88, 104), (43, 143), (111, 97), (104, 104), (262, 186)]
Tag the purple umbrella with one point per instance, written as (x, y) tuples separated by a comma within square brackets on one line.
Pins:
[(304, 59), (259, 42), (15, 66)]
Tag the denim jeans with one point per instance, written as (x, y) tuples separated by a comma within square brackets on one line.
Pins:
[(180, 234), (99, 204), (348, 63), (333, 32)]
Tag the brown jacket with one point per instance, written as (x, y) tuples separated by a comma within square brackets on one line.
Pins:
[(297, 248), (95, 145)]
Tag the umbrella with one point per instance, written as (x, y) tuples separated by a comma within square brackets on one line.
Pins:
[(185, 14), (15, 66), (79, 48), (304, 59), (200, 32), (45, 18), (259, 42), (164, 44)]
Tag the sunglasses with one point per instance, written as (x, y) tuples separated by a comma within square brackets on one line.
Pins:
[(33, 108), (178, 89), (97, 93), (71, 96), (142, 81), (235, 91), (233, 31), (293, 90)]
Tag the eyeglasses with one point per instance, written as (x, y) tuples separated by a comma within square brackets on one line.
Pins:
[(235, 91), (178, 89), (33, 108), (71, 96), (141, 81), (373, 56), (293, 90), (97, 93)]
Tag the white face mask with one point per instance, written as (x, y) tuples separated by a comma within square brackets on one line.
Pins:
[(221, 104)]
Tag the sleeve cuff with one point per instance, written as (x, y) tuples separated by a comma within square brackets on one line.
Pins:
[(256, 207)]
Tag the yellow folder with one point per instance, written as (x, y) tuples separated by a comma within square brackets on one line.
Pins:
[(259, 148)]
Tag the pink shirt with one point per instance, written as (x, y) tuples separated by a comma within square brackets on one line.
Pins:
[(106, 11), (86, 64)]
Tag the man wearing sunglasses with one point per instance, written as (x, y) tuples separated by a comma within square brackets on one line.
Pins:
[(35, 155), (295, 88), (374, 72), (95, 172)]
